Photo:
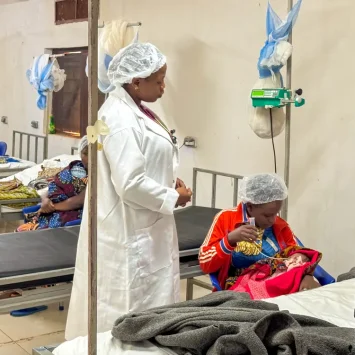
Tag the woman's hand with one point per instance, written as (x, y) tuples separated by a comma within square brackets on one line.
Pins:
[(179, 183), (184, 196), (47, 206), (244, 233), (308, 283)]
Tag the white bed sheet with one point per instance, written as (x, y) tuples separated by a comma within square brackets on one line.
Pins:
[(31, 173), (334, 303), (22, 164)]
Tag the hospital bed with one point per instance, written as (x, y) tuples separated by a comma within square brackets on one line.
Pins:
[(334, 303), (9, 213), (24, 147), (40, 265)]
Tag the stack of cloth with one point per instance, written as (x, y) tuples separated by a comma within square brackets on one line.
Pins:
[(15, 190), (230, 323)]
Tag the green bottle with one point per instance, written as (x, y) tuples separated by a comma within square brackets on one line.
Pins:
[(51, 125)]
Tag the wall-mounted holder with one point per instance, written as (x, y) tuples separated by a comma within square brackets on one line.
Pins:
[(190, 142), (34, 124), (4, 120)]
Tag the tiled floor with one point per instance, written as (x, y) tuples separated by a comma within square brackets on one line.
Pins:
[(9, 227), (18, 336)]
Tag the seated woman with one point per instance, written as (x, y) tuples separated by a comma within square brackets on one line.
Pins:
[(66, 195), (277, 276), (233, 244)]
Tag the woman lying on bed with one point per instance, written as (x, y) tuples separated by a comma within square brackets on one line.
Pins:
[(66, 194), (233, 244)]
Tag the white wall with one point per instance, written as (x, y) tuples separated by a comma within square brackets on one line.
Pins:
[(212, 50), (28, 36)]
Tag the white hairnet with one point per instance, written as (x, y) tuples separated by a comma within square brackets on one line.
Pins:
[(262, 188), (83, 144), (138, 60)]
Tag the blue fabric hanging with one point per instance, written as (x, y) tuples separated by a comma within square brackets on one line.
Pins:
[(276, 30), (104, 61), (40, 77)]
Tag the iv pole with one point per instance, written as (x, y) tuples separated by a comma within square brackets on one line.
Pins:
[(284, 212), (94, 9)]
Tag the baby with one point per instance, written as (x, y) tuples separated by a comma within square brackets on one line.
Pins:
[(295, 260)]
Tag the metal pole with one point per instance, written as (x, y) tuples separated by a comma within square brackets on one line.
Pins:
[(214, 189), (94, 8), (194, 186), (284, 212)]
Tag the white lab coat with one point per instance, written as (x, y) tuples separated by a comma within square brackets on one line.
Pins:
[(138, 253)]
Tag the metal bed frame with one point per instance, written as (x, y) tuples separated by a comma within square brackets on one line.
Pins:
[(189, 267), (36, 139), (25, 156), (18, 140), (73, 150), (16, 214), (191, 281)]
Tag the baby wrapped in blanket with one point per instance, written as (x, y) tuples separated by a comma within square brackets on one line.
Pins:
[(280, 275)]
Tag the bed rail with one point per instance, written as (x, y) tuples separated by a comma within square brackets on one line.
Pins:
[(21, 138), (15, 214), (191, 281), (73, 150), (215, 174)]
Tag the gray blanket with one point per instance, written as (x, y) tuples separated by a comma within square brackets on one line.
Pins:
[(230, 323), (347, 276)]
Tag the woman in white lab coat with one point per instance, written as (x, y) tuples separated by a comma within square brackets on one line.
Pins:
[(138, 254)]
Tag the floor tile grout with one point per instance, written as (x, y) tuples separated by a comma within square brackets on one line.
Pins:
[(7, 343), (24, 349), (24, 340)]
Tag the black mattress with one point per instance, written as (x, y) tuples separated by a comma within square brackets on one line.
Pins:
[(55, 249), (193, 224)]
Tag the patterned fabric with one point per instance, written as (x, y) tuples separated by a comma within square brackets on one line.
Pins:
[(69, 182), (48, 172), (269, 246)]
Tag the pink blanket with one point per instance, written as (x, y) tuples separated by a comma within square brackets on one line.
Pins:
[(270, 278)]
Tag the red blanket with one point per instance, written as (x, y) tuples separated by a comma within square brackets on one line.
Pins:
[(256, 280)]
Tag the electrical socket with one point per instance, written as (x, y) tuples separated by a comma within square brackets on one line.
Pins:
[(34, 124), (190, 142), (4, 120)]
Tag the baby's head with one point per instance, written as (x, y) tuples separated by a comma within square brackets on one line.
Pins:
[(296, 259)]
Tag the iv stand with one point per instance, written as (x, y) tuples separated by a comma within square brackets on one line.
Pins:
[(94, 9), (284, 211)]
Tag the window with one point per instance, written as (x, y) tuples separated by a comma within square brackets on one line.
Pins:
[(67, 11), (70, 105)]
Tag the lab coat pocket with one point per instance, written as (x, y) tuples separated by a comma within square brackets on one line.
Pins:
[(155, 247)]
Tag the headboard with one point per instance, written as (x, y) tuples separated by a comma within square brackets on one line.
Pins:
[(33, 143)]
